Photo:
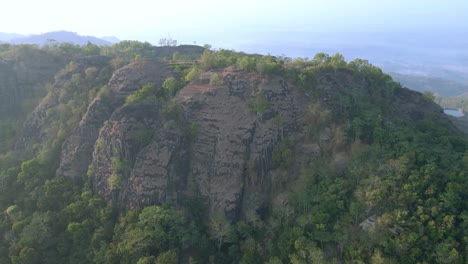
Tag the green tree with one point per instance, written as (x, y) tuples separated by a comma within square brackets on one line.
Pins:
[(221, 231), (91, 49), (171, 85), (306, 252), (258, 104), (168, 257), (192, 74), (150, 93), (429, 95), (337, 60), (321, 58), (247, 63), (157, 229), (215, 80)]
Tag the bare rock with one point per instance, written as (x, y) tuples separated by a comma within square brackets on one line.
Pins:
[(77, 149), (136, 74)]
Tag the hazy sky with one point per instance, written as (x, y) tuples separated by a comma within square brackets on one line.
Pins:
[(195, 20)]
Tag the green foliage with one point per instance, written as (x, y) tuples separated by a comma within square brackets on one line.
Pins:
[(283, 154), (156, 231), (306, 252), (91, 49), (317, 119), (120, 169), (410, 174), (192, 131), (140, 135), (175, 56), (171, 85), (268, 65), (247, 63), (149, 93), (259, 104), (169, 257), (192, 74), (172, 111), (279, 121), (215, 80), (429, 96), (115, 181), (217, 59), (127, 50), (221, 231)]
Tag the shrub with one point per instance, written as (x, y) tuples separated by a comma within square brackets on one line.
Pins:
[(149, 93), (215, 79), (258, 104)]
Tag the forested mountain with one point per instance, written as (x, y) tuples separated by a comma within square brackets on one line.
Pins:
[(132, 153)]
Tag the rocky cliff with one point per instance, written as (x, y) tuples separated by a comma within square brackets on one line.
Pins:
[(217, 147), (214, 142), (224, 157), (78, 148)]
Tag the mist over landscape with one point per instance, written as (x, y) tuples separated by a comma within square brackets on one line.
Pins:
[(419, 54)]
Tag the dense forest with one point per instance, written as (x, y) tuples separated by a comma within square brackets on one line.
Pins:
[(366, 171)]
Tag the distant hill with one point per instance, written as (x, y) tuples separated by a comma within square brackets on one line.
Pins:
[(441, 86), (5, 37), (111, 39), (62, 36)]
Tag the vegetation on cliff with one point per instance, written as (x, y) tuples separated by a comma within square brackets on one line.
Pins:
[(383, 180)]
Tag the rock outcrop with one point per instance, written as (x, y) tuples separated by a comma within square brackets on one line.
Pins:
[(213, 141), (78, 148), (119, 143), (220, 148), (133, 76), (161, 169)]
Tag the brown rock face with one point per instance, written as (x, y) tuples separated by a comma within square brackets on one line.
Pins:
[(128, 130), (220, 148), (161, 169), (234, 145), (78, 148), (133, 76), (213, 142)]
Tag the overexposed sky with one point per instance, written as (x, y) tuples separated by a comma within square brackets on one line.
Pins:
[(190, 20)]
